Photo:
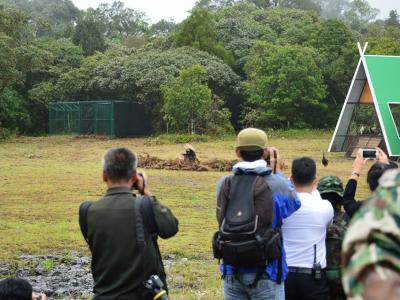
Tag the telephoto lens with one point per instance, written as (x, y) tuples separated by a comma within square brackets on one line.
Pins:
[(155, 285)]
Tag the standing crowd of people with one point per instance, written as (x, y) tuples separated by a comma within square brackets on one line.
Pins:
[(278, 238)]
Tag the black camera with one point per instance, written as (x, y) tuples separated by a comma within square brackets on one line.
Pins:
[(155, 285), (317, 271)]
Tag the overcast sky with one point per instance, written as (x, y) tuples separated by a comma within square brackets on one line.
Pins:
[(178, 9)]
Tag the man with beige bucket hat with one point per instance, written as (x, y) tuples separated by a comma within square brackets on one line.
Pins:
[(251, 205)]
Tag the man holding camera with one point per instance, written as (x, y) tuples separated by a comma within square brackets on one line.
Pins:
[(304, 235), (121, 231)]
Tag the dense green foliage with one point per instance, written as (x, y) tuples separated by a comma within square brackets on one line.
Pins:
[(285, 86), (189, 105), (269, 63)]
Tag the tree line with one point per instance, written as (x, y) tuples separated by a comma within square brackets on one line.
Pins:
[(230, 63)]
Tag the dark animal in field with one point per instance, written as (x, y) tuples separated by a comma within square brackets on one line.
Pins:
[(324, 161)]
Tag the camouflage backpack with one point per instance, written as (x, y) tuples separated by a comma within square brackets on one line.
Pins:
[(334, 236)]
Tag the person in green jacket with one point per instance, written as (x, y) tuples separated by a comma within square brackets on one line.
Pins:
[(120, 264)]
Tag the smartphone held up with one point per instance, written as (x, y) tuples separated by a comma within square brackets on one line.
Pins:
[(369, 153)]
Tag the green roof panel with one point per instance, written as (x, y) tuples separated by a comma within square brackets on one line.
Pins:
[(384, 72)]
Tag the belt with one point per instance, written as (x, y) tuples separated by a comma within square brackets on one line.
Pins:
[(300, 270), (303, 270)]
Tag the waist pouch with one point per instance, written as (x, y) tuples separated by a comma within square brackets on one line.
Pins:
[(333, 274)]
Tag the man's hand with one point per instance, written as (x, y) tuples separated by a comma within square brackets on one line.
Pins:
[(141, 184), (276, 163), (381, 156), (358, 165), (41, 296)]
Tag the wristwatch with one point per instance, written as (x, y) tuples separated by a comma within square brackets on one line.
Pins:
[(356, 174)]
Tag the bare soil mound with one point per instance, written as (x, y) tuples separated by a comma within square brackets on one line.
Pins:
[(152, 162)]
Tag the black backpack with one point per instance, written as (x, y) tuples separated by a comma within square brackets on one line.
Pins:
[(242, 239)]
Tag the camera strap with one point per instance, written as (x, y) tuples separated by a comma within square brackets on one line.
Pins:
[(140, 239), (145, 223)]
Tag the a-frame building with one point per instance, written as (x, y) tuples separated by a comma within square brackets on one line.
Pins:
[(376, 82)]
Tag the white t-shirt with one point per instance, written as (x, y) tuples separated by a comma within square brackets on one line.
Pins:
[(305, 228)]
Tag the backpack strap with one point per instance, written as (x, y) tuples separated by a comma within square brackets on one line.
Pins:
[(83, 211), (223, 199), (279, 275)]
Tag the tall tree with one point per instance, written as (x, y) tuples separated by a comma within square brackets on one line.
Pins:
[(51, 17), (393, 19), (14, 33), (285, 87), (359, 14), (333, 9), (89, 35), (215, 4), (163, 26), (336, 45), (120, 20), (16, 61), (198, 31), (187, 100), (302, 4)]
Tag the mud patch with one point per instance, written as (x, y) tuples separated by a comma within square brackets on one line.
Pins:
[(152, 162)]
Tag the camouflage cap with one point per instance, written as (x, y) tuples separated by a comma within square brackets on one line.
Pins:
[(373, 237), (251, 139), (330, 184)]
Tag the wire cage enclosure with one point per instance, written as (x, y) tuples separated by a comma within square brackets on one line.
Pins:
[(110, 118)]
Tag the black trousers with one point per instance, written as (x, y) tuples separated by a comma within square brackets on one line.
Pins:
[(300, 286)]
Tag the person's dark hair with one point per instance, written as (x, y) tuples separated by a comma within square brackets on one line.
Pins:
[(376, 171), (333, 198), (15, 289), (119, 164), (252, 155), (304, 171)]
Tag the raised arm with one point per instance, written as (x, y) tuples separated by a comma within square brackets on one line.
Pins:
[(350, 204)]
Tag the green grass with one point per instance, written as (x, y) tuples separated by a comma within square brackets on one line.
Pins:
[(43, 180)]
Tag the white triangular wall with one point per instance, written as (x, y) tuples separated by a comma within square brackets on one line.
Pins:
[(338, 142)]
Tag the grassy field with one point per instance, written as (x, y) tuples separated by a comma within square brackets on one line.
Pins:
[(43, 180)]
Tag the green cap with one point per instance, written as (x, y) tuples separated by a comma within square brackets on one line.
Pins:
[(251, 139), (330, 184)]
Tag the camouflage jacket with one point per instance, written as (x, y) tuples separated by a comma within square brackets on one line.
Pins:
[(373, 237), (334, 238)]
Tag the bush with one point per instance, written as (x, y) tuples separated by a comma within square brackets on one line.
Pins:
[(299, 133), (6, 134), (13, 112), (177, 139)]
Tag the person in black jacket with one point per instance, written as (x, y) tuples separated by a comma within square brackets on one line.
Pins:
[(120, 263), (382, 164)]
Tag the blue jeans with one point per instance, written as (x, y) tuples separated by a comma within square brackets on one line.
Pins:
[(236, 288)]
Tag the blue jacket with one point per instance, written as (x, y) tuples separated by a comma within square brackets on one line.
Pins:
[(286, 203)]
